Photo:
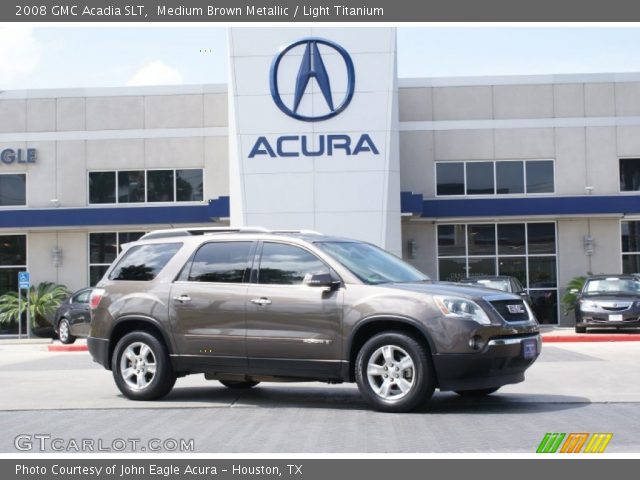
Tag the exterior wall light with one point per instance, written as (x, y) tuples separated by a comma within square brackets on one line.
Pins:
[(588, 245), (56, 256)]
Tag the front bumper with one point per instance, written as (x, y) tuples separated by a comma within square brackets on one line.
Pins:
[(501, 362), (99, 350), (599, 319)]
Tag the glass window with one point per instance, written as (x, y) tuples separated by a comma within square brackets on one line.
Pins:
[(13, 250), (225, 262), (541, 238), (482, 266), (103, 247), (13, 190), (630, 236), (189, 185), (629, 174), (371, 264), (131, 186), (82, 297), (542, 272), (287, 264), (452, 269), (102, 187), (450, 178), (482, 239), (539, 176), (144, 262), (545, 305), (511, 239), (509, 178), (480, 178), (451, 240), (532, 263), (631, 263), (96, 272), (160, 186), (514, 267)]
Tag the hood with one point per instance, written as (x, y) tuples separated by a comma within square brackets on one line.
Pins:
[(609, 297), (458, 289)]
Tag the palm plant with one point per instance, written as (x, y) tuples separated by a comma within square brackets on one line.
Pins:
[(44, 299), (571, 294)]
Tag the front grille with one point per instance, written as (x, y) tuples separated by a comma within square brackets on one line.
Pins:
[(511, 310)]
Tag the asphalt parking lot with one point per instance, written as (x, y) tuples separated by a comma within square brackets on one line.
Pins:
[(573, 387)]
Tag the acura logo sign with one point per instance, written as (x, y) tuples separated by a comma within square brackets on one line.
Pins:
[(312, 67)]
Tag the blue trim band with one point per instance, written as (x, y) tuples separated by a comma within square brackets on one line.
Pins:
[(98, 216), (519, 207)]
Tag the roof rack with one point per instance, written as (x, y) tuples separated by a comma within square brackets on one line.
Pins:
[(180, 232)]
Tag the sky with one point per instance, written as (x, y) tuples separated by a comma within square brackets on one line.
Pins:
[(60, 57)]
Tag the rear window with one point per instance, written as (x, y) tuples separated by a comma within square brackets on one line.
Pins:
[(144, 262)]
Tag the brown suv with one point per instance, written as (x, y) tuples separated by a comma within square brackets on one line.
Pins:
[(245, 306)]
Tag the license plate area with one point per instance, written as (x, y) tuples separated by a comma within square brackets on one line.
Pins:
[(529, 348), (615, 318)]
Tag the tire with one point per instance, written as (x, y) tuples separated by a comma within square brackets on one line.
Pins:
[(581, 329), (481, 392), (235, 385), (64, 332), (142, 382), (388, 351)]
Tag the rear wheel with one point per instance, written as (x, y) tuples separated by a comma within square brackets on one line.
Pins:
[(394, 372), (141, 367), (236, 385), (481, 392), (64, 332), (581, 330)]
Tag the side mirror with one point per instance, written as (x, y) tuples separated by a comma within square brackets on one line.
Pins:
[(325, 280)]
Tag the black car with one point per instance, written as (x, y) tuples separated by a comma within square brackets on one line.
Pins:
[(608, 301), (499, 282), (73, 317)]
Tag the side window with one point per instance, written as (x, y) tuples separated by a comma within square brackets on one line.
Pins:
[(144, 262), (282, 264), (82, 297), (225, 262)]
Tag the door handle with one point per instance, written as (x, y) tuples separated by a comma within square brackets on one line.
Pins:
[(182, 298), (261, 301)]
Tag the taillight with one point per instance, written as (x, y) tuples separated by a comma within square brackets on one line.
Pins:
[(96, 296)]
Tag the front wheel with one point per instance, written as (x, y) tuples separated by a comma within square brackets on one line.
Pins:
[(141, 367), (64, 332), (394, 372), (481, 392)]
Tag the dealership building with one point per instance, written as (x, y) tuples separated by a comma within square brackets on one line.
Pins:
[(537, 177)]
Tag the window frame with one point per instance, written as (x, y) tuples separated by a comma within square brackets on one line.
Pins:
[(26, 191), (146, 187), (255, 270), (118, 249), (185, 271), (495, 178)]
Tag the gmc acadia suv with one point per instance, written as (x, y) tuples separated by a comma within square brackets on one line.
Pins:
[(245, 306)]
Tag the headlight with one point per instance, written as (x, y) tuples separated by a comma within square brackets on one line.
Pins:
[(456, 307), (588, 305)]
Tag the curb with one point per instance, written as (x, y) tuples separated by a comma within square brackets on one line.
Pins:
[(594, 337), (68, 348)]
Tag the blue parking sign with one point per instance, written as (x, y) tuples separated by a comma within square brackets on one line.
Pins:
[(24, 280)]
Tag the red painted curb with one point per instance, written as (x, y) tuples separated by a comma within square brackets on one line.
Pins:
[(68, 348), (595, 337)]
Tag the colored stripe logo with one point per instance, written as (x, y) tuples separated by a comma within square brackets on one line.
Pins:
[(574, 442)]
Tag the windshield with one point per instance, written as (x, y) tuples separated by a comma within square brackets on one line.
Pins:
[(495, 284), (371, 264), (613, 286)]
